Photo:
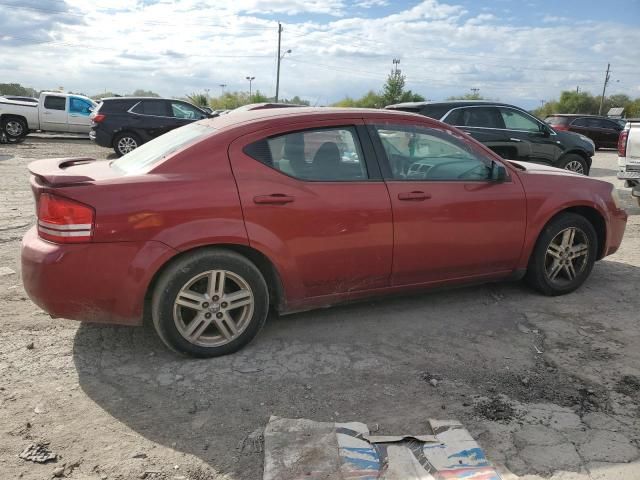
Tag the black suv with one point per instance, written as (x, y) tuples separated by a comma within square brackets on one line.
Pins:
[(125, 123), (511, 132)]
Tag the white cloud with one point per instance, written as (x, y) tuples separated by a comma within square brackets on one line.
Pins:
[(184, 46)]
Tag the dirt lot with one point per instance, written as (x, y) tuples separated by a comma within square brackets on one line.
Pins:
[(548, 386)]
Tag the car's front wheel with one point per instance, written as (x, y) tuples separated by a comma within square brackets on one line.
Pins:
[(574, 163), (125, 142), (564, 255), (209, 303)]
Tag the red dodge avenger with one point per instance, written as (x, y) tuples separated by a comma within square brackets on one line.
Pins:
[(207, 227)]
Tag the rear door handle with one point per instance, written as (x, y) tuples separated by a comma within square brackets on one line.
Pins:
[(273, 199), (416, 195)]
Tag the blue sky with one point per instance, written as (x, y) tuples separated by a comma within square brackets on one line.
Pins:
[(518, 52)]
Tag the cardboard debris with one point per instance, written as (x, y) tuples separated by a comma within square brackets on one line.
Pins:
[(304, 449)]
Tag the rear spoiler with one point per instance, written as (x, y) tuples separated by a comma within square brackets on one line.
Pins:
[(52, 171)]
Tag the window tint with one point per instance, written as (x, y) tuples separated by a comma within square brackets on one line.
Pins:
[(426, 154), (80, 106), (54, 103), (580, 122), (157, 108), (487, 117), (327, 154), (514, 120), (184, 110)]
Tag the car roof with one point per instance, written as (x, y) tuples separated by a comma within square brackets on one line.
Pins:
[(452, 103), (266, 115), (578, 115)]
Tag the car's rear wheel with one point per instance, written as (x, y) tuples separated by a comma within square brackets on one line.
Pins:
[(564, 255), (14, 128), (574, 163), (125, 142), (209, 303)]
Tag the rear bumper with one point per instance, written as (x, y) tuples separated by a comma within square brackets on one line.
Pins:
[(93, 282), (100, 137)]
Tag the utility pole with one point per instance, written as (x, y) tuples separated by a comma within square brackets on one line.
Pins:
[(578, 89), (251, 79), (279, 59), (607, 77), (475, 91), (542, 102), (396, 62)]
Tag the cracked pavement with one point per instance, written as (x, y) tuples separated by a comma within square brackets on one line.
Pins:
[(548, 386)]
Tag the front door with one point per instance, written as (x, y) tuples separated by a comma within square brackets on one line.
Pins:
[(451, 221), (316, 205), (53, 113), (79, 111)]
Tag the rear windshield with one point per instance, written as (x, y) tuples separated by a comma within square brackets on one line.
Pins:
[(556, 120), (143, 158)]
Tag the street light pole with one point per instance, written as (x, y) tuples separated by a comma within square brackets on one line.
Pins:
[(280, 57), (222, 85), (251, 79)]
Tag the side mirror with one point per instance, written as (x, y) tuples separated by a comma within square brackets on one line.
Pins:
[(498, 172)]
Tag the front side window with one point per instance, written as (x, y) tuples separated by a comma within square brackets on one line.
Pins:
[(80, 106), (426, 154), (514, 120), (183, 110), (326, 154), (55, 103)]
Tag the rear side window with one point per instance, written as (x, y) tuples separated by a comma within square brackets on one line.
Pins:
[(157, 108), (55, 103), (326, 154), (435, 111), (117, 106), (486, 117), (580, 122), (143, 158)]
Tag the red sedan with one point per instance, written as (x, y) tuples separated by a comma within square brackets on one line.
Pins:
[(209, 226)]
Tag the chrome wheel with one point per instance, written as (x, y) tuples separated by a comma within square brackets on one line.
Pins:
[(567, 256), (213, 308), (13, 128), (126, 144), (575, 166)]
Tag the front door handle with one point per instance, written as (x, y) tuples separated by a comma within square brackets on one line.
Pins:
[(415, 195), (515, 139), (273, 199)]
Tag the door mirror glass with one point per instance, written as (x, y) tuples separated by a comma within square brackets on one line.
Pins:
[(498, 172)]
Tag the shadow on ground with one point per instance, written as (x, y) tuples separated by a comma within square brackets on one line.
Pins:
[(370, 362)]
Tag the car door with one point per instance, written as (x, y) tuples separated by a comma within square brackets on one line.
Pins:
[(183, 113), (316, 205), (485, 124), (150, 118), (608, 132), (78, 117), (523, 128), (53, 113), (451, 220)]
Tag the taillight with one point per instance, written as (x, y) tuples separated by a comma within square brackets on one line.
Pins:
[(98, 117), (622, 143), (62, 220), (560, 127)]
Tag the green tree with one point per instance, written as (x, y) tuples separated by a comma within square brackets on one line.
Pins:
[(198, 99), (467, 96), (144, 93), (17, 89)]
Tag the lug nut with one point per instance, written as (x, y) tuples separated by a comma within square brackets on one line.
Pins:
[(205, 305), (215, 298), (219, 315), (224, 305), (207, 315)]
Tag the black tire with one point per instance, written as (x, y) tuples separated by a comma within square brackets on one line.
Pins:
[(15, 129), (121, 140), (178, 275), (538, 270), (570, 162)]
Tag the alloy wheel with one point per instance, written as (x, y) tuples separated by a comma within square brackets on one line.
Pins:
[(14, 128), (213, 308), (567, 256), (126, 144), (575, 166)]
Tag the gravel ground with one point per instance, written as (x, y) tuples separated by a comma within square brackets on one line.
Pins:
[(550, 387)]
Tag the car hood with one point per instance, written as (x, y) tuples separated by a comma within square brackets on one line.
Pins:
[(537, 168), (573, 139)]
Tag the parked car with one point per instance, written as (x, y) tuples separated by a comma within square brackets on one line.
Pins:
[(54, 112), (629, 156), (511, 132), (207, 227), (125, 123), (603, 131)]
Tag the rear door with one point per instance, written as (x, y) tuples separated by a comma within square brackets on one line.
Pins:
[(53, 113), (314, 202), (450, 220), (79, 111), (606, 131), (151, 118)]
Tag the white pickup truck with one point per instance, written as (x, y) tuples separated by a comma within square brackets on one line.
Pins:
[(629, 156), (54, 112)]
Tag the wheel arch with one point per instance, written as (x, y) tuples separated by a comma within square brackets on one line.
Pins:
[(267, 268), (580, 153), (7, 116)]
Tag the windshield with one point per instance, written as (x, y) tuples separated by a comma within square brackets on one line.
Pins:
[(143, 158)]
